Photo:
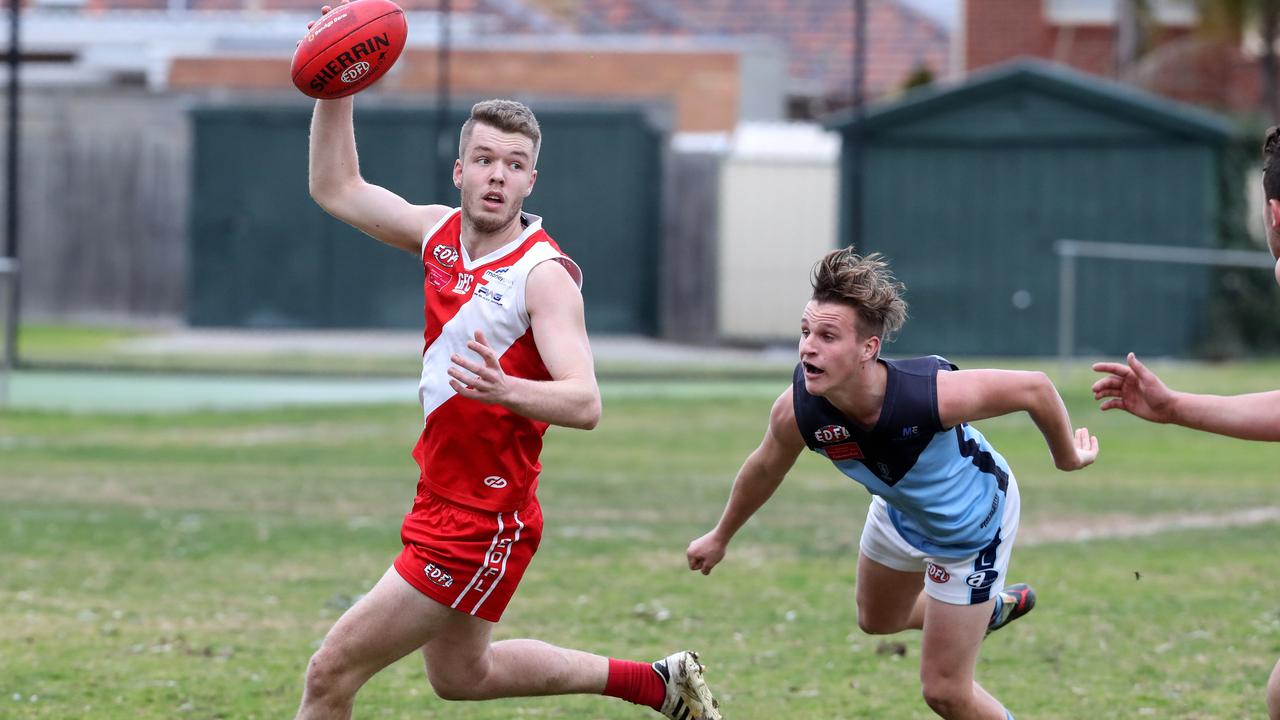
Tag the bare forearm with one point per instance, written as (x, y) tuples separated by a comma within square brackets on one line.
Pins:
[(1248, 417), (571, 403), (752, 488), (1050, 415), (333, 159)]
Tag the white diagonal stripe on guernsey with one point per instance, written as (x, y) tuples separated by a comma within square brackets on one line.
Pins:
[(510, 549), (483, 565), (501, 325)]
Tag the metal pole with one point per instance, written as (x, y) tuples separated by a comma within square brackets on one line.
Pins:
[(11, 195), (855, 135), (445, 138), (1066, 304)]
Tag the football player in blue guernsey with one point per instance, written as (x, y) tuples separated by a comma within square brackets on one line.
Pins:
[(944, 511)]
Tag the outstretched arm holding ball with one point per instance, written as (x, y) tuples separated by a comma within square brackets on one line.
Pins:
[(327, 54), (336, 185)]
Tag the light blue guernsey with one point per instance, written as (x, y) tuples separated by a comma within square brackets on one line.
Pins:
[(945, 487)]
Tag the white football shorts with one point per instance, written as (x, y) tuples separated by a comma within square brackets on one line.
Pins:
[(967, 580)]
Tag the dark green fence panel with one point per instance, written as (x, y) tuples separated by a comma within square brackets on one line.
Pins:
[(966, 190), (973, 237), (264, 255)]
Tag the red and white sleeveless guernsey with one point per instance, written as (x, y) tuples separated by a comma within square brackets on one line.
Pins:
[(480, 455)]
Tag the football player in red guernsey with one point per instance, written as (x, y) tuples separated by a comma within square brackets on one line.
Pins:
[(506, 355)]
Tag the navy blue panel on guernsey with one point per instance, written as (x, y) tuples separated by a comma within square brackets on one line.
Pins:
[(981, 458), (908, 421)]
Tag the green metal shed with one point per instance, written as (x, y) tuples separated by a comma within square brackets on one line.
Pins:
[(967, 188), (263, 254)]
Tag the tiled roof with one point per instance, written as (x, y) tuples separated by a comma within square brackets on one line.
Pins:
[(511, 16), (817, 34)]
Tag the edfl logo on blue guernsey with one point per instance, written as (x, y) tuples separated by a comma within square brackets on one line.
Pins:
[(352, 56)]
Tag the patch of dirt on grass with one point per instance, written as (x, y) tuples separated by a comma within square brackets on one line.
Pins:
[(1082, 528)]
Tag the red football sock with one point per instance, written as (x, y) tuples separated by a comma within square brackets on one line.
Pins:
[(635, 682)]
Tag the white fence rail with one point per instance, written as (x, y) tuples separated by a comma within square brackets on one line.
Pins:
[(1068, 251)]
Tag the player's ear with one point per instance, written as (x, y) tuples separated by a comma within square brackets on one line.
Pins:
[(1273, 213), (533, 178), (457, 174), (870, 348)]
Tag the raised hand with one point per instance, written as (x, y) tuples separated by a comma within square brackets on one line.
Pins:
[(485, 381), (324, 10), (1134, 388)]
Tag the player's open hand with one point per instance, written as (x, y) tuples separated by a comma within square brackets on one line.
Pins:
[(706, 552), (1086, 446), (1131, 386), (485, 381), (324, 10)]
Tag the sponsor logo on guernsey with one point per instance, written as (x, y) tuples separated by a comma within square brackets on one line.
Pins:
[(831, 433), (445, 255), (912, 431), (938, 574), (844, 451), (495, 482), (485, 293), (982, 579), (438, 576), (498, 277), (465, 281), (995, 505), (437, 277)]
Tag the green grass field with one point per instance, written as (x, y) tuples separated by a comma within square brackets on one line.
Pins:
[(186, 566)]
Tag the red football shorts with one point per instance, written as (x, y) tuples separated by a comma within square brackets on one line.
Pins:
[(470, 560)]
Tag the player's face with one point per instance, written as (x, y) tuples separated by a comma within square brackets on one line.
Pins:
[(495, 175), (831, 350)]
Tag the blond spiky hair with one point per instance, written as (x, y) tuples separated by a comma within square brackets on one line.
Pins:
[(865, 284)]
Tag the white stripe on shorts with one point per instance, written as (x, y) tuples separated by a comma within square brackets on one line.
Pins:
[(480, 569), (494, 584)]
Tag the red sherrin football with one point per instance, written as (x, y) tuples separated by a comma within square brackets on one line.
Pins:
[(349, 48)]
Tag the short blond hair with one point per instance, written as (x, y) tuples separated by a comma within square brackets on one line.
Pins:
[(865, 284), (505, 115)]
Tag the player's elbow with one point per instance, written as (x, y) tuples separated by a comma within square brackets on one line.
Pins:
[(590, 415), (1038, 391), (327, 192)]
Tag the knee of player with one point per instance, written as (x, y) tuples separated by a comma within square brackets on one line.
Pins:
[(453, 685), (327, 673), (945, 696)]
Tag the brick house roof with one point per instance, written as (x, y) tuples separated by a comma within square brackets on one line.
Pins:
[(507, 16), (817, 34)]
